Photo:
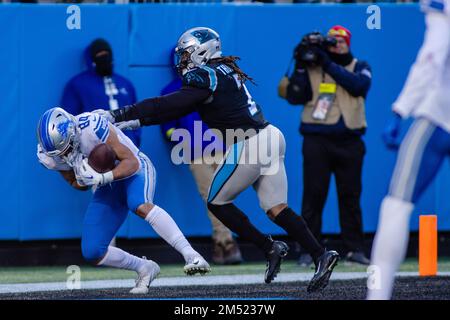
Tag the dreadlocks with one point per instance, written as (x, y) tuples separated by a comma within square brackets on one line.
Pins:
[(231, 62)]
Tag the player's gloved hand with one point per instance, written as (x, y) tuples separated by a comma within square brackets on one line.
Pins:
[(391, 132), (73, 159), (76, 165), (44, 159), (51, 163), (105, 114), (128, 125), (87, 176), (78, 176)]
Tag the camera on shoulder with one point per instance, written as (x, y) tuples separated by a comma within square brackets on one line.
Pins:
[(306, 54)]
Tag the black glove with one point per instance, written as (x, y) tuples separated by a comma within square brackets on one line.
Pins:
[(323, 59), (119, 115)]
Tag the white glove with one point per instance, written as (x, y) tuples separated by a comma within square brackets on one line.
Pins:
[(76, 166), (87, 176), (52, 163), (128, 125), (106, 114), (74, 158)]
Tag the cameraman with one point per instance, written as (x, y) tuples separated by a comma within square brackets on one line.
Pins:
[(332, 85)]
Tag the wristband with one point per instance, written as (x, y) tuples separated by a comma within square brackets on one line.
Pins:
[(108, 177)]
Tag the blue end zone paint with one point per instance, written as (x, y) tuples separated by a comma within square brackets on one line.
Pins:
[(212, 78)]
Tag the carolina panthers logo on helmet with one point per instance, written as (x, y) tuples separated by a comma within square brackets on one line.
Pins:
[(203, 35)]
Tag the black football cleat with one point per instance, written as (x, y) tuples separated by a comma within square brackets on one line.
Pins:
[(278, 251), (324, 268)]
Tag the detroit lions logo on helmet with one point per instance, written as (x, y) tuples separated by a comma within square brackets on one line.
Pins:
[(56, 131), (63, 127)]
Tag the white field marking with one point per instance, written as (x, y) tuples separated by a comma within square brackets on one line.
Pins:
[(188, 281)]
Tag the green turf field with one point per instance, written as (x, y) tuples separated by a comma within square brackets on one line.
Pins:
[(58, 273)]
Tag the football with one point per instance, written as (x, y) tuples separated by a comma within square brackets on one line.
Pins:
[(102, 158)]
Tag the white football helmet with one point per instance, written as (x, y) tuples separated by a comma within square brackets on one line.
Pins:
[(196, 47), (57, 132)]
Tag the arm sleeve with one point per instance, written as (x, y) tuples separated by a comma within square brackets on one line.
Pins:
[(168, 127), (299, 89), (426, 70), (356, 83), (164, 108), (70, 100)]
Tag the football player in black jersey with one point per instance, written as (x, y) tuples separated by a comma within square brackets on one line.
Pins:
[(214, 86)]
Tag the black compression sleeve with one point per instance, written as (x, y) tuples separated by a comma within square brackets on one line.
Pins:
[(164, 108)]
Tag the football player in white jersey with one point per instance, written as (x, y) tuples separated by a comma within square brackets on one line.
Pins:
[(425, 97), (65, 142)]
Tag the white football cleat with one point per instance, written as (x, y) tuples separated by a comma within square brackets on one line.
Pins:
[(146, 277), (196, 264)]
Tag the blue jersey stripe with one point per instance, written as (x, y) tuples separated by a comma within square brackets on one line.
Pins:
[(105, 134), (438, 5), (100, 132), (226, 171), (147, 178), (410, 156), (102, 129), (98, 124), (212, 78), (48, 145)]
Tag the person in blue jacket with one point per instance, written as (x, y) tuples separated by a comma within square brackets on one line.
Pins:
[(332, 85), (99, 86), (225, 248)]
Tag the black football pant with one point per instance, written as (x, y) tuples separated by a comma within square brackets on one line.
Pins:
[(342, 156)]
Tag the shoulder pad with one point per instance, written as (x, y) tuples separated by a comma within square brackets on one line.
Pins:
[(94, 125), (101, 128), (203, 77)]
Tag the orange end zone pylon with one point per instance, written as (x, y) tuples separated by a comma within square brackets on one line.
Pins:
[(428, 245)]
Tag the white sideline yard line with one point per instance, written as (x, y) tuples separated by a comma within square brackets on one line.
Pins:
[(186, 281)]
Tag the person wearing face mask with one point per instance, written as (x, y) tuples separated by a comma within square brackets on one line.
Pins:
[(99, 85), (332, 85)]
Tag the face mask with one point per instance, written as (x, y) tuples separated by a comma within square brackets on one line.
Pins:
[(183, 62), (103, 65)]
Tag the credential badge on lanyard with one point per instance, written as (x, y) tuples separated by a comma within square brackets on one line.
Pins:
[(327, 94)]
